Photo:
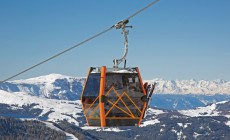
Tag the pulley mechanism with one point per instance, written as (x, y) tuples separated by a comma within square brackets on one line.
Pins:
[(122, 25)]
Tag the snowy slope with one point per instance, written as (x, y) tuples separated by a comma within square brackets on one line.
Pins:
[(54, 86), (69, 136), (151, 117), (62, 109), (216, 109), (55, 110)]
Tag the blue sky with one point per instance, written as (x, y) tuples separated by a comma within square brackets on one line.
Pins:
[(172, 40)]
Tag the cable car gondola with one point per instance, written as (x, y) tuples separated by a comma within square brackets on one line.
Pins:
[(114, 96), (111, 96)]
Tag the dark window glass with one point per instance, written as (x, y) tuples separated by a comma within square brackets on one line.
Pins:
[(90, 96), (92, 85)]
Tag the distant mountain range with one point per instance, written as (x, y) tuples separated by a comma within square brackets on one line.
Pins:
[(58, 86), (191, 86), (169, 94)]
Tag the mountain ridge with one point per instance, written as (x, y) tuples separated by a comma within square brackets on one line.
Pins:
[(53, 86), (192, 86), (57, 86)]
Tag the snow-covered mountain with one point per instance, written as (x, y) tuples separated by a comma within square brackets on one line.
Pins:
[(191, 86), (53, 86), (21, 105), (56, 86), (178, 94)]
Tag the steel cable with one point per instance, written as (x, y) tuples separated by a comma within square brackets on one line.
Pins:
[(141, 10), (57, 55)]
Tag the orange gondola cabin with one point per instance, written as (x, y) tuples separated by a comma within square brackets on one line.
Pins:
[(113, 97)]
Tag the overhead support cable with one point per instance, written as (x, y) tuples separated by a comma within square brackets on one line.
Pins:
[(141, 10)]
